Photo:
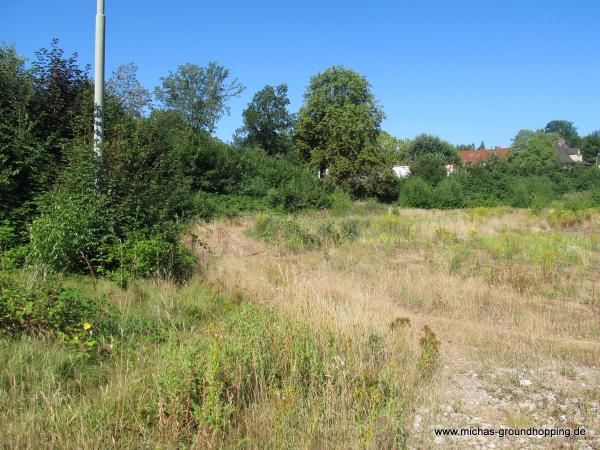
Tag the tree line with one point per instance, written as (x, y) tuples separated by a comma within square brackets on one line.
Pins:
[(162, 165)]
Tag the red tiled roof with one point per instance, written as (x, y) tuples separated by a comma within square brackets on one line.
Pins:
[(471, 156)]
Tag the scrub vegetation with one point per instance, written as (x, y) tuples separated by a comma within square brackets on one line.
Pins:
[(283, 290)]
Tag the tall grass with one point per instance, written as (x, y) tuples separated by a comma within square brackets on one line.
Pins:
[(197, 370)]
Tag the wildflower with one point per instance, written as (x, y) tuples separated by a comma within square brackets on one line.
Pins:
[(87, 326)]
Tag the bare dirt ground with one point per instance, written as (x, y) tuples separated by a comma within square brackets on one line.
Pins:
[(511, 386)]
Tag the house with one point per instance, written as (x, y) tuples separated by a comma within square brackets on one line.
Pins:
[(450, 169), (404, 171), (482, 155), (401, 171), (566, 154)]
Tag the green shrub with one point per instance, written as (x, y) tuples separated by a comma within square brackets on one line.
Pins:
[(448, 194), (415, 193), (519, 195), (350, 229), (51, 311), (14, 258), (73, 232), (208, 206), (577, 201), (154, 256), (340, 201), (429, 167)]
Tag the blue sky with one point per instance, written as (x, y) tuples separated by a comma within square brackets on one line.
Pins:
[(465, 70)]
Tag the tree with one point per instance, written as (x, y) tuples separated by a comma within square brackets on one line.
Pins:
[(267, 122), (338, 127), (538, 158), (18, 148), (522, 139), (59, 83), (61, 94), (200, 93), (394, 149), (590, 146), (416, 193), (565, 130), (481, 146), (426, 144), (124, 85), (429, 167), (461, 147)]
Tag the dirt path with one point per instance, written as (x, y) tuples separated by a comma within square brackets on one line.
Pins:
[(467, 394)]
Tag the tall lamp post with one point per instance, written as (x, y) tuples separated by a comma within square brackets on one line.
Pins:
[(99, 80)]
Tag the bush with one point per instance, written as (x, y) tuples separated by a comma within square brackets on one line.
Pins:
[(208, 206), (154, 256), (51, 311), (429, 167), (14, 258), (73, 232), (340, 201), (448, 194), (415, 193), (350, 229), (251, 173)]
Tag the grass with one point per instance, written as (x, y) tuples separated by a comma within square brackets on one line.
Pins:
[(199, 370), (506, 286), (319, 330)]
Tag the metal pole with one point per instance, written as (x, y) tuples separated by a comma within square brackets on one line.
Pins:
[(99, 80)]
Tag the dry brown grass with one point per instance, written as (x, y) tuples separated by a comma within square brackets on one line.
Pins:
[(499, 311), (496, 286)]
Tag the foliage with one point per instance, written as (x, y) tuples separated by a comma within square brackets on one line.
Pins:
[(590, 147), (156, 255), (416, 193), (200, 93), (341, 201), (149, 172), (539, 156), (19, 151), (430, 167), (566, 130), (59, 90), (53, 311), (430, 350), (522, 139), (267, 122), (73, 232), (426, 144), (297, 236), (124, 85), (279, 182), (448, 194), (337, 129)]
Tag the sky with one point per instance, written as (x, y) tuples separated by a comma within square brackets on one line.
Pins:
[(467, 71)]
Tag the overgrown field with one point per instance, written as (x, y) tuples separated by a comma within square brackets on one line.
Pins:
[(347, 329), (506, 291), (89, 365)]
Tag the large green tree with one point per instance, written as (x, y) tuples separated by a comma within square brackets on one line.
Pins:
[(124, 85), (426, 144), (393, 148), (267, 122), (522, 139), (18, 148), (337, 130), (564, 129), (590, 146), (200, 93), (539, 156), (61, 94)]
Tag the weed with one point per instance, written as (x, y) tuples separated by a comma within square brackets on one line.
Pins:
[(430, 351)]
